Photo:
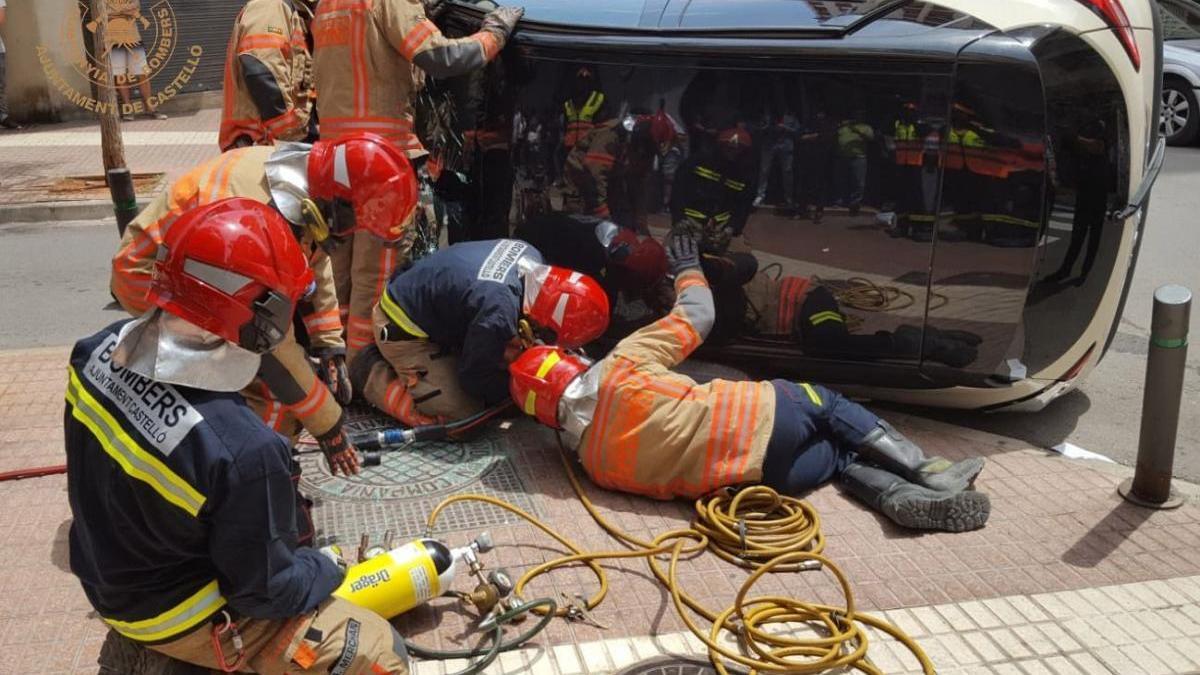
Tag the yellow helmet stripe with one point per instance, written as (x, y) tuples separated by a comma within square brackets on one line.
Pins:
[(551, 360)]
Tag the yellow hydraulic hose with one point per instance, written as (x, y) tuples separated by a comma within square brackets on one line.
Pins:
[(756, 528)]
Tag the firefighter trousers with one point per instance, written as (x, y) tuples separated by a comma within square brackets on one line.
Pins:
[(411, 380), (337, 637), (816, 436), (362, 266)]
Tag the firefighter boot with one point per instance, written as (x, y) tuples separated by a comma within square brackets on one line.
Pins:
[(891, 450), (913, 506)]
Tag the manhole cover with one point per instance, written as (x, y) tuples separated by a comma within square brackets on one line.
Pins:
[(670, 665), (399, 494)]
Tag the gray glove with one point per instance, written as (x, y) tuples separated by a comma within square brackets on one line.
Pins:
[(503, 19), (682, 253)]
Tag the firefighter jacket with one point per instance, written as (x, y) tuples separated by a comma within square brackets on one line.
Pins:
[(267, 65), (467, 299), (371, 58), (592, 168), (716, 195), (658, 433), (287, 374), (580, 118), (183, 504)]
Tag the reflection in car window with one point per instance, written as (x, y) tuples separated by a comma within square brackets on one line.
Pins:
[(1181, 19)]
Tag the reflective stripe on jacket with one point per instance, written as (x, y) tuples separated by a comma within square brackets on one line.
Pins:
[(371, 57), (271, 103), (658, 433)]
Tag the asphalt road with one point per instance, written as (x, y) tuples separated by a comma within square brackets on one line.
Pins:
[(55, 281)]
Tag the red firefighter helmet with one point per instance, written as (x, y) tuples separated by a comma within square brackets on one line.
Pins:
[(662, 129), (538, 378), (643, 266), (570, 303), (372, 175), (233, 268)]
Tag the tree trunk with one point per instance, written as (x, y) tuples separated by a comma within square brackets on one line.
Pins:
[(111, 144)]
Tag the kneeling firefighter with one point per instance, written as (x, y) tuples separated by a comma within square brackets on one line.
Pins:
[(446, 328), (184, 532), (329, 191), (640, 427)]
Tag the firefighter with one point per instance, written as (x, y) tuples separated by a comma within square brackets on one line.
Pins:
[(184, 531), (853, 135), (369, 62), (447, 327), (617, 257), (609, 169), (810, 313), (906, 144), (267, 69), (712, 199), (640, 427), (376, 194), (582, 107)]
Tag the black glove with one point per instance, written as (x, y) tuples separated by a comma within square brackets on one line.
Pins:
[(433, 8), (339, 452), (503, 19), (332, 371), (682, 253)]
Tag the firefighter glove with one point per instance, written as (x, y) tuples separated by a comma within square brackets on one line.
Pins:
[(682, 253), (339, 452), (433, 8), (332, 371), (503, 19)]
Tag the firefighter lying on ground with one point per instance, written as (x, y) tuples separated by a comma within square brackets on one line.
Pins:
[(802, 309), (267, 72), (446, 328), (184, 532), (374, 196), (370, 60), (639, 427)]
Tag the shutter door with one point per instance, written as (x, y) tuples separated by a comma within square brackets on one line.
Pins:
[(201, 23)]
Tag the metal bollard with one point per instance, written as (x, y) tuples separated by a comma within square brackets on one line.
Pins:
[(120, 186), (1165, 365)]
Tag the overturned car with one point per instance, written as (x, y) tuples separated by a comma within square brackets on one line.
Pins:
[(934, 203)]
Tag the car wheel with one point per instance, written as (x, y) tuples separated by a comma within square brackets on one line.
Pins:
[(1180, 114)]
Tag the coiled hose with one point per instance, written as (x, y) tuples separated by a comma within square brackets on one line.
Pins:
[(755, 528)]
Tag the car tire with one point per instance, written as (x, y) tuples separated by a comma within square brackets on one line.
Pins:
[(1180, 113)]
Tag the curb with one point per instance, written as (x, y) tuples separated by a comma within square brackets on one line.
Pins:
[(89, 209)]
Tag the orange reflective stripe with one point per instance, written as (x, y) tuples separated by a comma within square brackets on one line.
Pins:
[(416, 38), (684, 332), (322, 321), (358, 63), (600, 158), (602, 211), (263, 41), (689, 280), (283, 123), (489, 44), (316, 398), (387, 261), (747, 432), (714, 449)]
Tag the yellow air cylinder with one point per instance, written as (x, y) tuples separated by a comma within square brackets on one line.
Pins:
[(392, 583)]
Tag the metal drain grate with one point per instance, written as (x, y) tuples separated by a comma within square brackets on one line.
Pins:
[(399, 494)]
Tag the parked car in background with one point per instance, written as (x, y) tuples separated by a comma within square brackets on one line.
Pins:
[(1181, 71), (967, 179)]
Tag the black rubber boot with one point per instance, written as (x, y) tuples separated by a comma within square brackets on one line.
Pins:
[(915, 507), (891, 450)]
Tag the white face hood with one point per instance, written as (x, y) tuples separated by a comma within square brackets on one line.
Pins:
[(168, 349), (287, 179), (577, 406)]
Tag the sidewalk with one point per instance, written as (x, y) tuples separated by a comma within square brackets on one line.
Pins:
[(35, 159), (1066, 578)]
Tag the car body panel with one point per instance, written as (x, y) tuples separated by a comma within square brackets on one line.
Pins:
[(997, 51)]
